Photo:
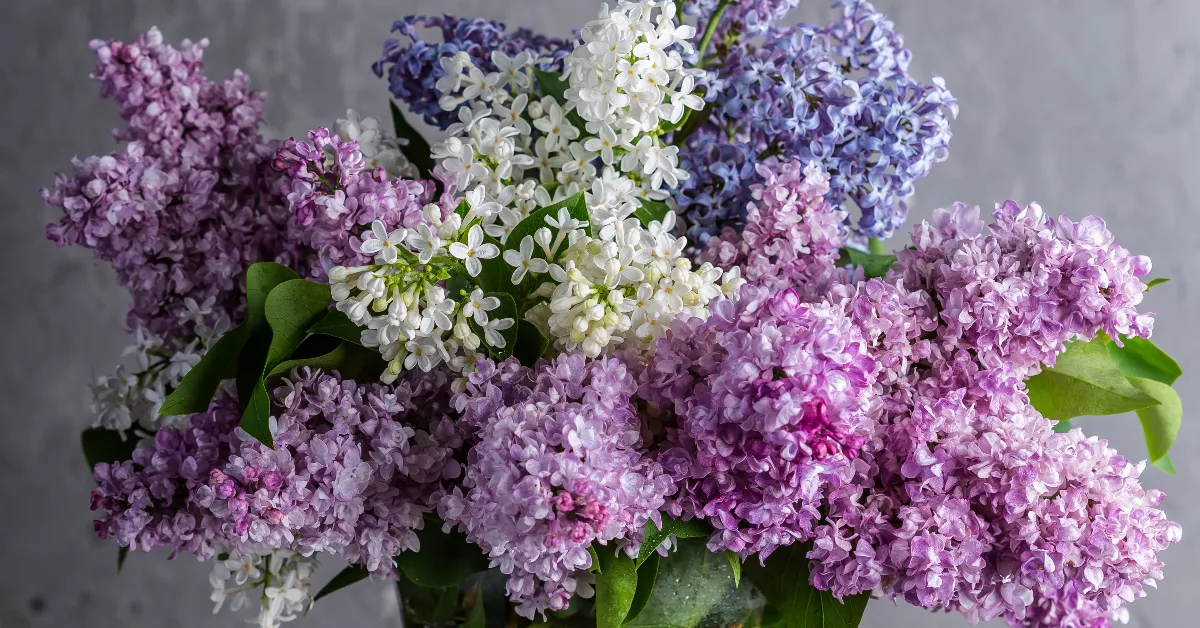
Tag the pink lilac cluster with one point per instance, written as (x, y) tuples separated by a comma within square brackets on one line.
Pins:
[(557, 464), (965, 499), (349, 475), (190, 202), (1018, 289), (792, 235), (772, 400), (335, 196)]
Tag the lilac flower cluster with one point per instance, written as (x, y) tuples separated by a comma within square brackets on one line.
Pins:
[(840, 95), (334, 197), (414, 68), (772, 401), (751, 18), (1016, 291), (965, 499), (792, 235), (190, 202), (557, 463), (350, 475)]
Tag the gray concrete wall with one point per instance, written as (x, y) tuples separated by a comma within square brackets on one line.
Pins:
[(1087, 106)]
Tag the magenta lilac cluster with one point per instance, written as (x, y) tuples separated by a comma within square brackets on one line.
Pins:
[(190, 201), (413, 67), (557, 463), (771, 401), (841, 95), (335, 196), (352, 473)]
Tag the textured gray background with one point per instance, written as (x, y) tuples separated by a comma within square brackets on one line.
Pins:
[(1087, 106)]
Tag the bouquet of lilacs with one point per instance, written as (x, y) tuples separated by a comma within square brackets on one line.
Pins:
[(624, 346)]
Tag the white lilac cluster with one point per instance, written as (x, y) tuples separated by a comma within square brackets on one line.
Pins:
[(624, 87), (279, 579), (133, 395), (378, 150), (403, 301), (622, 287)]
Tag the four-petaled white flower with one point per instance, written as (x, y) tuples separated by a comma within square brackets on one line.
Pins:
[(477, 306), (382, 244), (474, 250), (491, 331), (523, 261)]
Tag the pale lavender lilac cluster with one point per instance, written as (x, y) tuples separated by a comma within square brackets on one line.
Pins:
[(840, 95), (751, 18), (413, 68), (190, 201), (353, 471), (792, 235), (557, 463), (334, 196), (771, 400)]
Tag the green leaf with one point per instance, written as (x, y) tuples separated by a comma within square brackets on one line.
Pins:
[(531, 344), (735, 563), (873, 265), (292, 308), (462, 209), (445, 559), (417, 151), (616, 585), (695, 588), (335, 324), (595, 568), (784, 581), (694, 121), (256, 418), (122, 554), (650, 211), (219, 363), (105, 445), (1161, 423), (1165, 465), (647, 574), (1084, 381), (1142, 358), (652, 536), (261, 279), (1063, 426), (1156, 282), (343, 579), (331, 361), (427, 605)]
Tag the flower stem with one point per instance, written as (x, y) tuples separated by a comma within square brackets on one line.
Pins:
[(711, 29)]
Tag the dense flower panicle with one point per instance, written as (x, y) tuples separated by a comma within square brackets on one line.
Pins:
[(347, 476), (1018, 289), (333, 194), (840, 95), (189, 203), (772, 401), (558, 463), (413, 69), (741, 18), (791, 237)]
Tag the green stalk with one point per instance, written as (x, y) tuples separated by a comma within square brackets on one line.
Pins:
[(711, 29)]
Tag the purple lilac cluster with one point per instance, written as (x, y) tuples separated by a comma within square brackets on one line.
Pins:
[(750, 18), (840, 95), (1015, 291), (772, 401), (792, 235), (557, 463), (413, 68), (350, 475), (191, 201), (965, 499), (334, 197)]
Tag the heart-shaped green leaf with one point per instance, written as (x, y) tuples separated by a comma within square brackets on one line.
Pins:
[(1084, 381)]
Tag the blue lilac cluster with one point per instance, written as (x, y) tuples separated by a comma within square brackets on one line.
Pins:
[(557, 463), (352, 473), (840, 95), (752, 18), (413, 67)]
